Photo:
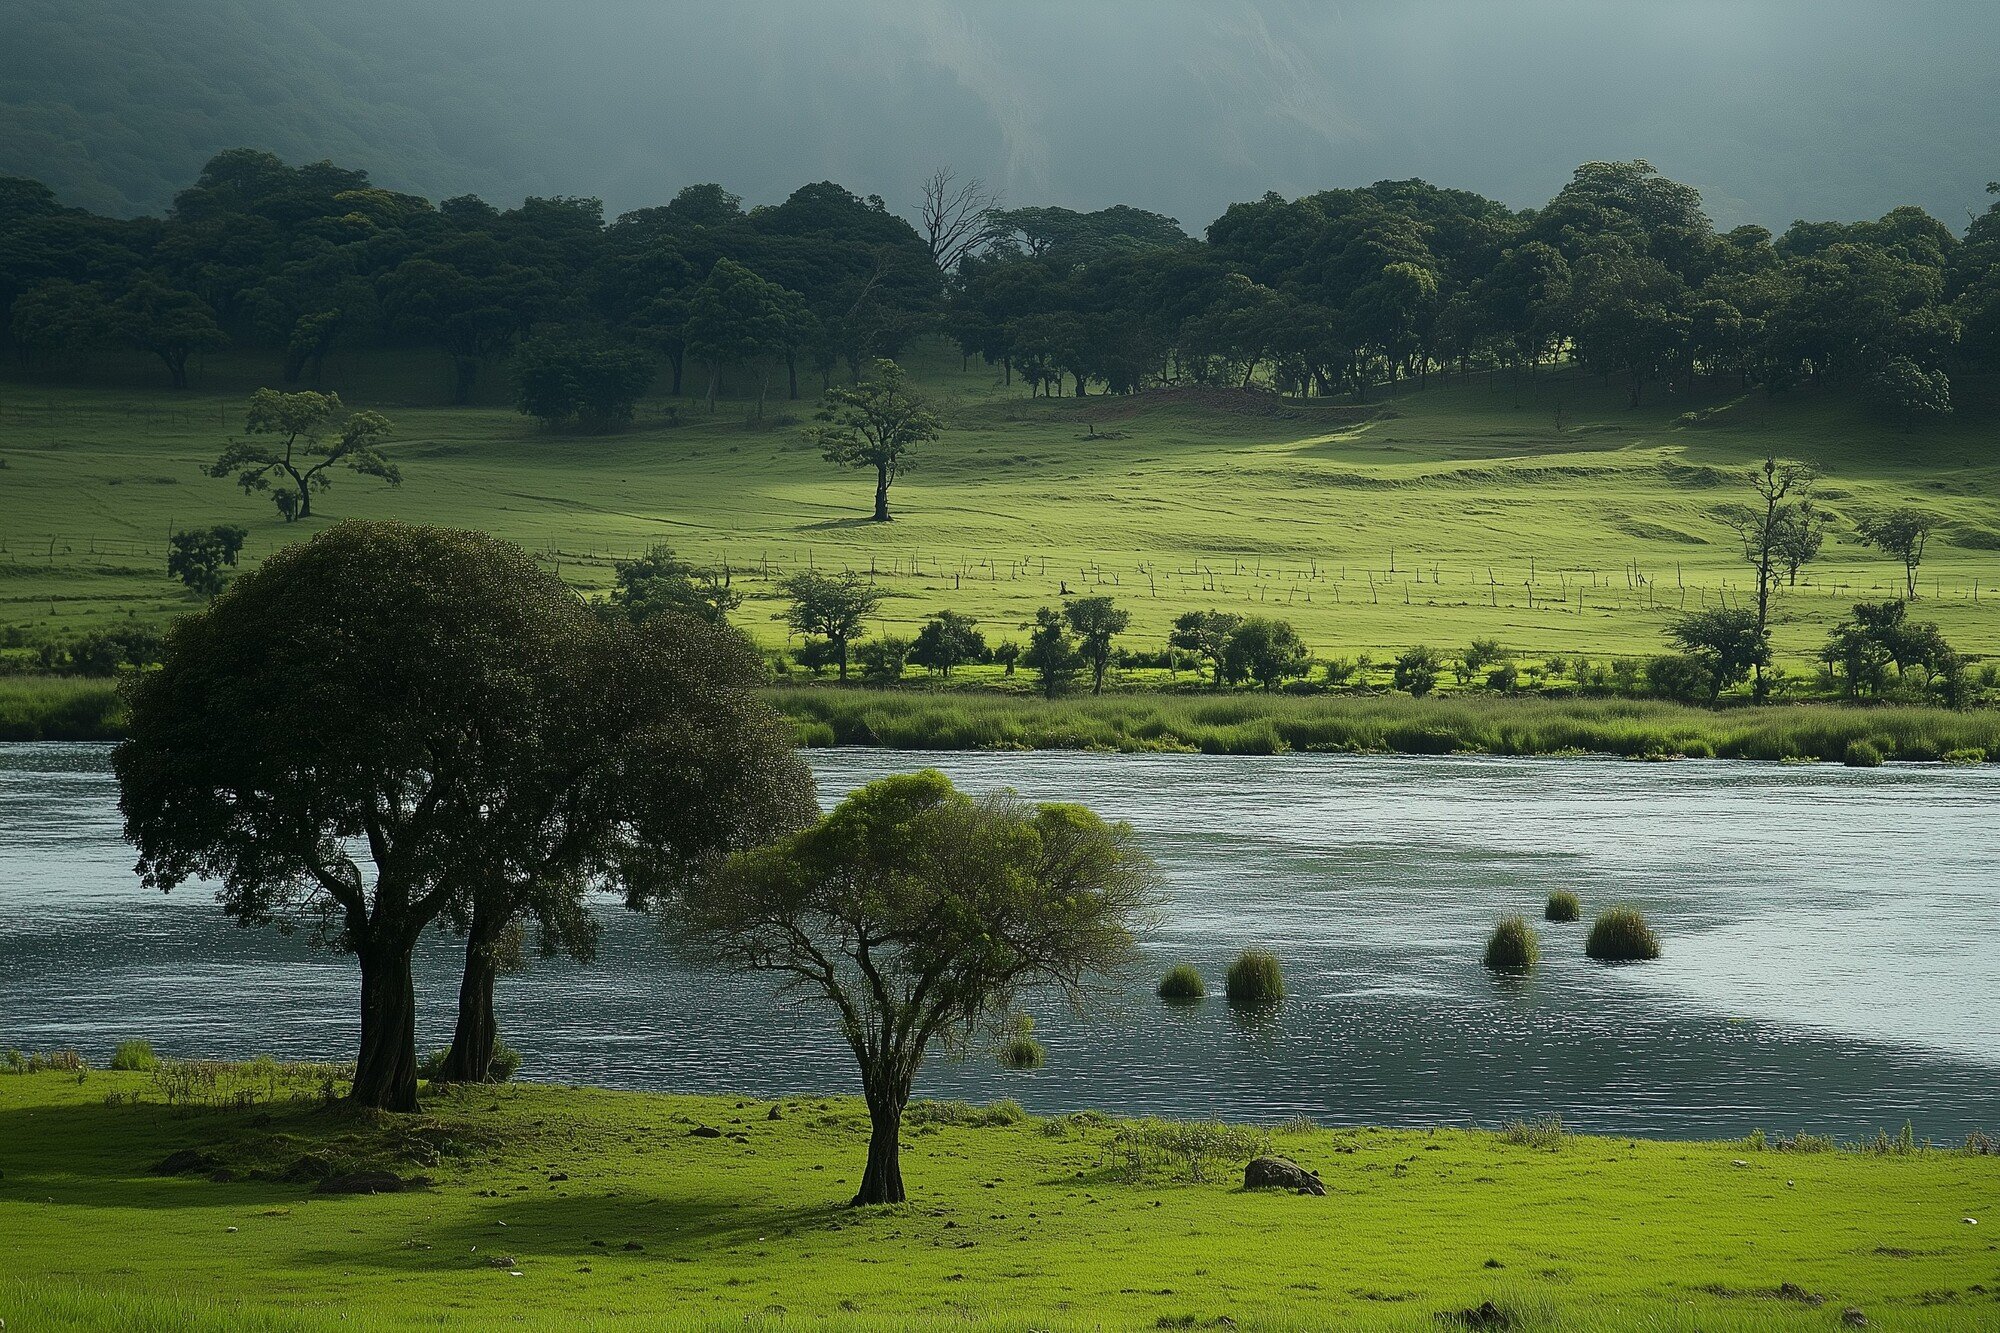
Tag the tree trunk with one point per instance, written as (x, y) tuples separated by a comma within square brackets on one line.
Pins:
[(385, 1074), (464, 370), (714, 374), (881, 494), (677, 361), (792, 373), (177, 369), (470, 1059), (882, 1181)]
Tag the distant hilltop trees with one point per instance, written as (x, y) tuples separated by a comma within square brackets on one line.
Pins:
[(1331, 293)]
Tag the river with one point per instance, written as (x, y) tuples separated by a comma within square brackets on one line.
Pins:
[(1831, 936)]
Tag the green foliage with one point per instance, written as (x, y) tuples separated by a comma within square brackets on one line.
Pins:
[(505, 1064), (1255, 980), (1208, 634), (1417, 670), (1265, 650), (1182, 984), (297, 425), (1906, 392), (1018, 1048), (1726, 641), (876, 424), (1096, 622), (966, 1115), (198, 556), (882, 660), (1620, 935), (1545, 1133), (1562, 906), (1193, 1146), (947, 640), (832, 606), (1902, 534), (1051, 653), (1862, 754), (1513, 946), (661, 583), (580, 383), (133, 1055)]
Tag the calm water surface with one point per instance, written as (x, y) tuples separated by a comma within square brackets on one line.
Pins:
[(1832, 949)]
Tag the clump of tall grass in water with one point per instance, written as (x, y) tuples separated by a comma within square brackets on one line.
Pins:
[(1621, 935), (1513, 946), (1019, 1049), (1562, 906), (1862, 754), (1255, 980), (1182, 985)]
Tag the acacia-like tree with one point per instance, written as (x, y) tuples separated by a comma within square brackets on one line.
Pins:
[(919, 913), (833, 606), (383, 723), (1096, 622), (875, 424), (1727, 641), (1772, 533), (1903, 534), (293, 444), (1207, 634)]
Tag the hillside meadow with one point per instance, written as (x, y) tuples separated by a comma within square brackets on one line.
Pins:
[(1539, 511), (573, 1208)]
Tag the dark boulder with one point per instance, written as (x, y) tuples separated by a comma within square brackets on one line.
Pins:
[(186, 1162), (1280, 1173), (369, 1182)]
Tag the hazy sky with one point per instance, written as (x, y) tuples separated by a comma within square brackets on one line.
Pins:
[(1775, 109)]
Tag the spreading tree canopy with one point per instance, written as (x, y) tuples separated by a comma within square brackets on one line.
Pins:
[(918, 913), (388, 724)]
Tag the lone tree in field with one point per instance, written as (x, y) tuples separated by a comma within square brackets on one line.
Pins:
[(292, 444), (919, 913), (875, 424), (197, 556), (948, 639), (1096, 622), (1775, 530), (1207, 634), (833, 606), (1267, 651), (388, 724), (1902, 533)]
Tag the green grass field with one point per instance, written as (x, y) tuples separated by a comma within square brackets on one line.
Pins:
[(1372, 527), (561, 1208)]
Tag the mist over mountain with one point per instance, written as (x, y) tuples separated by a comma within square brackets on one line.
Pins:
[(1775, 110)]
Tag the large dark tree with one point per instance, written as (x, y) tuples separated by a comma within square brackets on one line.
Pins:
[(918, 914), (386, 721)]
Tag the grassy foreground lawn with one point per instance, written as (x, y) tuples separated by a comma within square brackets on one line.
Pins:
[(1417, 519), (574, 1208)]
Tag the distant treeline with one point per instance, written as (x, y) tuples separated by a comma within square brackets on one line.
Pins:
[(1331, 293)]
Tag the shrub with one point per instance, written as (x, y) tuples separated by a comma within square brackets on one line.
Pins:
[(1862, 754), (506, 1063), (1804, 1142), (965, 1114), (1562, 906), (1182, 984), (133, 1055), (1546, 1133), (1417, 670), (1513, 946), (1971, 754), (1621, 935), (1255, 979), (1192, 1144)]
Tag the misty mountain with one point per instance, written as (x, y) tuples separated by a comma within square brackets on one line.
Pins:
[(1775, 110)]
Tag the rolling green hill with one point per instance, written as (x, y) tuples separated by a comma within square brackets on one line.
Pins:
[(1371, 527)]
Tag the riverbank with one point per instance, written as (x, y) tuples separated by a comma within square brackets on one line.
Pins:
[(1250, 723), (578, 1208), (56, 708)]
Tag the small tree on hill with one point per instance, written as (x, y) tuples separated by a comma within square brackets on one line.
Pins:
[(1096, 622), (1206, 634), (833, 606), (197, 556), (875, 424), (1050, 653), (1417, 670), (298, 450), (918, 914), (1773, 530), (1903, 534)]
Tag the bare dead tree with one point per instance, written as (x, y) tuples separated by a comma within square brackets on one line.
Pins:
[(958, 217)]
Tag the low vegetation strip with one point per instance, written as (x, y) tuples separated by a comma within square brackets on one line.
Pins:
[(59, 708), (249, 1205), (1246, 723)]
